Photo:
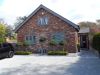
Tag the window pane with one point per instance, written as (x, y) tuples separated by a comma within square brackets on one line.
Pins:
[(26, 38), (46, 20), (33, 39), (43, 21), (58, 37), (30, 38)]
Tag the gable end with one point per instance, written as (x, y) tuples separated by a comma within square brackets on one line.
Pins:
[(50, 11)]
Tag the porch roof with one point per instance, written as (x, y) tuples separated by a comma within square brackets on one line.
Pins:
[(84, 30)]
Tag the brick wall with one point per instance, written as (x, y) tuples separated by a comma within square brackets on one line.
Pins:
[(55, 25)]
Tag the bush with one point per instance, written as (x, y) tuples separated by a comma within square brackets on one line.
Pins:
[(57, 52), (78, 47), (23, 53), (53, 43), (62, 43), (42, 39), (96, 42), (25, 43)]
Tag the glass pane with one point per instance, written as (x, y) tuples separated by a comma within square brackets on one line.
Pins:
[(26, 37), (30, 38), (43, 21), (58, 37), (46, 20), (33, 39)]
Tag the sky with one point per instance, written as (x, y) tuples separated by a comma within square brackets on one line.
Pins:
[(74, 10)]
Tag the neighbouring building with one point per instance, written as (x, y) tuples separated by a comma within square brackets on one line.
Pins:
[(47, 24), (84, 38), (86, 35)]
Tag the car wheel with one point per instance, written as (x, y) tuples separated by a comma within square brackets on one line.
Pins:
[(10, 54)]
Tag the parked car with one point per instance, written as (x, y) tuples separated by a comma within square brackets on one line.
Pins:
[(6, 50)]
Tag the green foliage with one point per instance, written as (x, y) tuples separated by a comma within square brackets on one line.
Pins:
[(25, 43), (60, 52), (53, 43), (87, 24), (42, 39), (96, 42), (78, 47), (62, 43), (9, 31), (2, 40), (2, 33), (23, 53), (2, 30)]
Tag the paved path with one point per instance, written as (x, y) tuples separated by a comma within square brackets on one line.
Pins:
[(84, 63)]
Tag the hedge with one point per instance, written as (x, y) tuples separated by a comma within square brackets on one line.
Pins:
[(96, 42), (57, 52), (23, 53)]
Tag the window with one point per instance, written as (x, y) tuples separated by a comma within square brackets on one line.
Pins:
[(29, 39), (43, 21), (58, 36)]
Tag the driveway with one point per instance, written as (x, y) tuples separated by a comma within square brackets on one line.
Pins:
[(84, 63)]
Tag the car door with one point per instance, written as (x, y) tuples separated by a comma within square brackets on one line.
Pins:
[(1, 49), (6, 47)]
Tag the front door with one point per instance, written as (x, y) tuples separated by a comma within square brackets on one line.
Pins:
[(42, 51), (84, 41)]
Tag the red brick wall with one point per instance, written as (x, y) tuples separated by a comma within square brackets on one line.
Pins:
[(55, 25)]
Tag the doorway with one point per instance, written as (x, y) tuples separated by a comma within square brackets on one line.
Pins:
[(84, 41), (42, 51)]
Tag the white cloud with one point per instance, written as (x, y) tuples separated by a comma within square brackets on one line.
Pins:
[(74, 10)]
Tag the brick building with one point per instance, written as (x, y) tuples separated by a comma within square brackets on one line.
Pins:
[(45, 23)]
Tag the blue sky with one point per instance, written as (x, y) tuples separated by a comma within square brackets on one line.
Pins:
[(74, 10), (1, 2)]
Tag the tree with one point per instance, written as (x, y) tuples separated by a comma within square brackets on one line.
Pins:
[(19, 20), (87, 24), (98, 24), (91, 25), (96, 42), (98, 21), (2, 32), (9, 31)]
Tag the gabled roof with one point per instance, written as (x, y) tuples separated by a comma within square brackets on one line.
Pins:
[(50, 11)]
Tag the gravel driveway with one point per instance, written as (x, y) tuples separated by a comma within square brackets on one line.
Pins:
[(80, 64)]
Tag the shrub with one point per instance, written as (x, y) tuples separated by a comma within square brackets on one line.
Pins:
[(42, 39), (78, 47), (53, 43), (57, 52), (23, 53), (96, 42), (25, 43), (62, 43)]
